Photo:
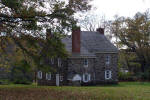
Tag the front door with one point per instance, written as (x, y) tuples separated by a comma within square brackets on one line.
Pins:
[(57, 79)]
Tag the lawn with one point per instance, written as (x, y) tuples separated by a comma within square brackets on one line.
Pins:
[(122, 91)]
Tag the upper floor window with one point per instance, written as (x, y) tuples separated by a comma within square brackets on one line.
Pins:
[(59, 62), (48, 76), (86, 62), (107, 59), (39, 74), (108, 74)]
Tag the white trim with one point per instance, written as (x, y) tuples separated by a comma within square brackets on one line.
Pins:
[(48, 76), (59, 62), (107, 59), (88, 77), (108, 74), (39, 74), (57, 79)]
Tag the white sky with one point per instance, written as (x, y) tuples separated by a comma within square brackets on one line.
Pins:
[(127, 8)]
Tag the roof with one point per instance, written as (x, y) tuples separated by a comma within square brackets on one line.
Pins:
[(91, 43)]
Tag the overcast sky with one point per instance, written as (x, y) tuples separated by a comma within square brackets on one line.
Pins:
[(128, 8)]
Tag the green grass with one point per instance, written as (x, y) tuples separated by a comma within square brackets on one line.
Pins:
[(122, 91)]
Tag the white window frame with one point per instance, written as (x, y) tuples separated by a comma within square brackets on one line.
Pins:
[(107, 59), (52, 60), (108, 74), (61, 78), (48, 76), (88, 77), (39, 74), (85, 62), (59, 62)]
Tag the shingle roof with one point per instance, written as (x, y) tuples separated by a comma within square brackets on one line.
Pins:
[(91, 43), (96, 42)]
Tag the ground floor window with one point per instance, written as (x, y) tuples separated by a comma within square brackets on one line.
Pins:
[(61, 78), (39, 74), (48, 76), (86, 77), (108, 74)]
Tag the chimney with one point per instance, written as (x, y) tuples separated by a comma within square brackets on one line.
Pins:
[(76, 40), (100, 30), (48, 33)]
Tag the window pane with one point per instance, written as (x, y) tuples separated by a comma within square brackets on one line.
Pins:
[(107, 74), (48, 76), (86, 62), (86, 77), (39, 74), (107, 60)]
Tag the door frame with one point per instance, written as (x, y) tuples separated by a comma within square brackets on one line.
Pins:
[(57, 80)]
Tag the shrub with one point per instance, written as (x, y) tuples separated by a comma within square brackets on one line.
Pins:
[(125, 76), (5, 81), (21, 73), (144, 76)]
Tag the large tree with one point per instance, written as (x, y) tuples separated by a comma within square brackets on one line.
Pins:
[(134, 35), (25, 23)]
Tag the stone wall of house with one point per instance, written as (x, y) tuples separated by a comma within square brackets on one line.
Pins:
[(61, 70), (96, 68), (43, 81), (101, 67), (52, 81), (76, 66)]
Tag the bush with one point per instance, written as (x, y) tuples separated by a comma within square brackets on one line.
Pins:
[(125, 76), (144, 76), (4, 81), (21, 73)]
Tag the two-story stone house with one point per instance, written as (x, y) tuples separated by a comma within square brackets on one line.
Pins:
[(92, 61)]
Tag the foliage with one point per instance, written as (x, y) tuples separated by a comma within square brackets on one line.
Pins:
[(133, 34), (125, 76), (128, 61), (25, 22), (21, 73), (5, 81)]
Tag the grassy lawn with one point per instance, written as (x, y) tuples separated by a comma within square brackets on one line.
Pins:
[(122, 91)]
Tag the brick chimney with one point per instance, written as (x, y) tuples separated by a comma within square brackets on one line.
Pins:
[(100, 30), (76, 40)]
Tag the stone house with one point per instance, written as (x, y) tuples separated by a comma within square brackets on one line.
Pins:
[(92, 61)]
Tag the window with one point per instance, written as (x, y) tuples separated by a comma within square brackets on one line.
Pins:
[(59, 62), (61, 78), (108, 74), (52, 60), (86, 77), (39, 74), (48, 76), (86, 62), (107, 61)]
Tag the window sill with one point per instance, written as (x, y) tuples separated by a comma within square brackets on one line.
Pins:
[(85, 66)]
